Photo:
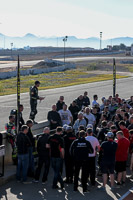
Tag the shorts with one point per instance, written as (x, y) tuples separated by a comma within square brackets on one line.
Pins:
[(120, 166), (107, 167)]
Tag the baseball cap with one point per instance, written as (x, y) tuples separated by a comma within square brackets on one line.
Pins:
[(65, 126), (68, 128), (110, 135), (89, 126)]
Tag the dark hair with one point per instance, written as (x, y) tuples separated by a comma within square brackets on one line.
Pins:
[(89, 130), (24, 127), (37, 82), (59, 129), (131, 131), (94, 96), (81, 128), (120, 133), (122, 123), (11, 117), (29, 121), (21, 105), (104, 123), (82, 133), (126, 115), (113, 127)]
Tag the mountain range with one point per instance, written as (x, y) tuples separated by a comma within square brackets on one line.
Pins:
[(72, 41)]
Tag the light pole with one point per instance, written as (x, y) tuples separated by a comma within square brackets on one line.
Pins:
[(64, 40), (101, 40), (11, 48)]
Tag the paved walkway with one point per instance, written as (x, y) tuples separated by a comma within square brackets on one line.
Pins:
[(36, 191)]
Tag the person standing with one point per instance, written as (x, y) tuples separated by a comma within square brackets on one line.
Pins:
[(66, 116), (60, 103), (121, 157), (29, 123), (54, 118), (108, 149), (33, 99), (23, 144), (79, 150), (69, 164), (91, 157), (56, 145), (44, 156)]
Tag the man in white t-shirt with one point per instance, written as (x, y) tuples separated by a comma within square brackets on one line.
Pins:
[(91, 161), (89, 116), (66, 116)]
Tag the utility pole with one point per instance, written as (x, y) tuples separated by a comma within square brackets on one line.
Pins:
[(101, 40), (64, 40)]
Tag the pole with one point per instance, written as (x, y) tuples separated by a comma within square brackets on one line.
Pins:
[(64, 51), (114, 77), (18, 95)]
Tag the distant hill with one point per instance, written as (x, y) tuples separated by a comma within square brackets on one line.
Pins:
[(33, 41)]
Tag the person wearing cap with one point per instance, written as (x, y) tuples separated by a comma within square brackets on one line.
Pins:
[(79, 150), (69, 164), (79, 121), (108, 149), (33, 99), (91, 157)]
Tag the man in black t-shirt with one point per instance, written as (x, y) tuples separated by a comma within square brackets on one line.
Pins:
[(108, 149), (54, 118), (56, 144), (44, 156)]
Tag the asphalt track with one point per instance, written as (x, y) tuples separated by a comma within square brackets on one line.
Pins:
[(72, 59), (103, 88)]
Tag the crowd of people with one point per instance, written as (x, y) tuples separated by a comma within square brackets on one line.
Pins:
[(83, 134)]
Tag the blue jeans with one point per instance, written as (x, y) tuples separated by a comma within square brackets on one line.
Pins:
[(57, 166), (23, 163), (31, 159)]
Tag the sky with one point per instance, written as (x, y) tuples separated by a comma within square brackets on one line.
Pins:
[(80, 18)]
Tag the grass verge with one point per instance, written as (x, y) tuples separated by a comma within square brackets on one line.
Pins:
[(52, 80)]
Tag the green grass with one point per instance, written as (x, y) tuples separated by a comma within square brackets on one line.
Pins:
[(52, 80)]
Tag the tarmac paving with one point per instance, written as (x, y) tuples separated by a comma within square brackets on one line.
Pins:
[(13, 190)]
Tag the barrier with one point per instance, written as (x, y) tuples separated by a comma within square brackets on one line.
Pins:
[(2, 155)]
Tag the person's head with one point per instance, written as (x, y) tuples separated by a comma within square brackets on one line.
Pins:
[(80, 115), (69, 129), (54, 107), (24, 129), (110, 136), (81, 128), (109, 124), (113, 128), (64, 127), (74, 103), (82, 133), (94, 110), (131, 133), (87, 110), (104, 116), (61, 99), (11, 118), (106, 109), (21, 108), (80, 97), (37, 83), (119, 135), (29, 123), (131, 111), (131, 119), (59, 130), (122, 125), (131, 98), (46, 130), (127, 109), (64, 107), (113, 101), (95, 97), (110, 98), (126, 116), (89, 131), (85, 93), (103, 99), (104, 123)]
